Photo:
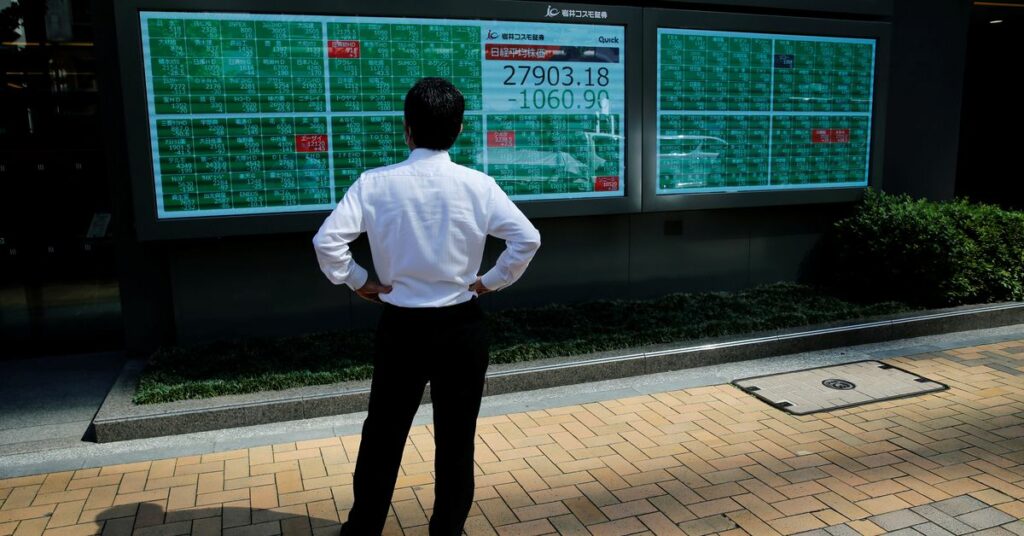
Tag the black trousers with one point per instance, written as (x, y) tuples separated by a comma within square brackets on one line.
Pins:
[(447, 347)]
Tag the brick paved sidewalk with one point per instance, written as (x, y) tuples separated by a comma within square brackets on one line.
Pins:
[(696, 461)]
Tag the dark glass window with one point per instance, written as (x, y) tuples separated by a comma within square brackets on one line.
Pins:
[(58, 286)]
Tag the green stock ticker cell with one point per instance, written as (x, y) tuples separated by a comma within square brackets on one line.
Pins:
[(343, 30), (248, 198), (171, 85), (180, 202), (345, 69), (346, 144), (204, 67), (203, 165), (203, 29), (201, 48), (244, 30), (179, 184), (166, 28), (167, 48), (245, 70), (184, 165), (213, 201), (239, 50), (169, 67), (210, 183), (287, 49)]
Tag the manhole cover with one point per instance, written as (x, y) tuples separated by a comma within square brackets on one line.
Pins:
[(838, 386), (841, 385)]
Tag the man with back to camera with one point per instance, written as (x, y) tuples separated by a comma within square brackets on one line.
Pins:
[(427, 219)]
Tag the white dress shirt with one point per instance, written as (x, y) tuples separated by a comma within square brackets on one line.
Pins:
[(427, 219)]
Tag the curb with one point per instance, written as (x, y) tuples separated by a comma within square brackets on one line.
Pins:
[(119, 419)]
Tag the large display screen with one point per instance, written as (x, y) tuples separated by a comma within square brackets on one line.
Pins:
[(741, 111), (255, 114)]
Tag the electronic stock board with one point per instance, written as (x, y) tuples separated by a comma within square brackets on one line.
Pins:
[(748, 110), (258, 121), (267, 114)]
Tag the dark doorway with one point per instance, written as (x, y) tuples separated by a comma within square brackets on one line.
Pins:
[(992, 124)]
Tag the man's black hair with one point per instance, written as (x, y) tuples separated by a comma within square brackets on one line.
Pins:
[(433, 111)]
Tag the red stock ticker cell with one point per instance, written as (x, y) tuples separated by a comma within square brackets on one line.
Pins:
[(830, 135), (608, 183), (343, 49), (311, 143), (501, 138)]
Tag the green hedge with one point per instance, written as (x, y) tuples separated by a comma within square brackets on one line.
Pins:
[(248, 366), (927, 253)]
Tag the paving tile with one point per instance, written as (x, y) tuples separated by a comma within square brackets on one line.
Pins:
[(707, 525), (751, 523), (671, 507), (830, 517), (797, 523), (166, 529), (994, 531), (881, 505), (565, 524), (841, 530), (119, 527), (985, 518), (541, 511), (236, 514), (497, 512), (269, 528), (991, 497), (31, 512), (865, 527), (931, 529), (956, 506), (476, 525), (629, 525), (904, 532), (942, 519), (31, 527), (801, 505), (628, 509), (1017, 527), (660, 524), (210, 526), (898, 519)]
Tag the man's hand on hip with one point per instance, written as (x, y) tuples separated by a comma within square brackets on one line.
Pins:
[(372, 290), (479, 288)]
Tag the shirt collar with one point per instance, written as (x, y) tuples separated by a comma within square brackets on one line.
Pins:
[(421, 153)]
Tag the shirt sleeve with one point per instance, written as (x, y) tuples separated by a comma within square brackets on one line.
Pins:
[(522, 240), (342, 226)]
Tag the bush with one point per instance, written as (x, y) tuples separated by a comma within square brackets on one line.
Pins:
[(248, 366), (927, 253)]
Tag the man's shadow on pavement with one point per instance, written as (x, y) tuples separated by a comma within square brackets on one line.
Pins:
[(152, 519)]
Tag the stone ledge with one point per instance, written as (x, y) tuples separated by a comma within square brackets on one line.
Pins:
[(119, 419)]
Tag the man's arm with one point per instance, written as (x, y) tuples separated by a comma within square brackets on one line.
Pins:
[(341, 227), (522, 240)]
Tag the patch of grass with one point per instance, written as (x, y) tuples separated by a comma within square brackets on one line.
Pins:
[(247, 366)]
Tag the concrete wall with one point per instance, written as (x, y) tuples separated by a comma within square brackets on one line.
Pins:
[(270, 285)]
